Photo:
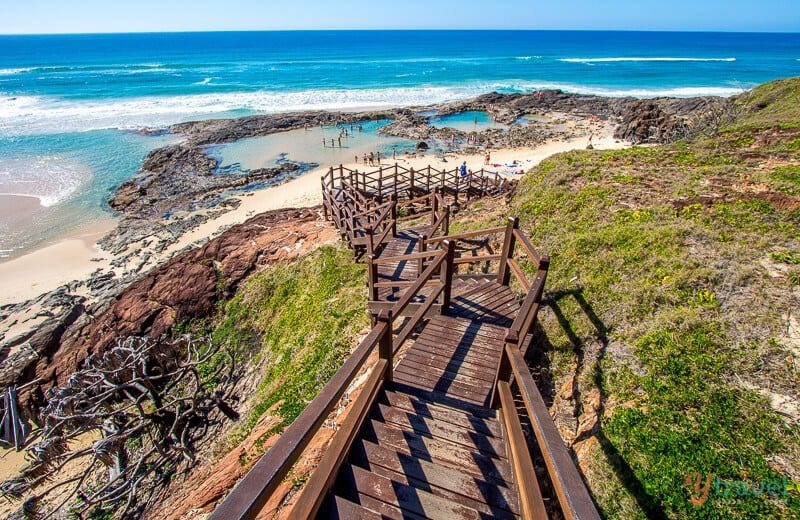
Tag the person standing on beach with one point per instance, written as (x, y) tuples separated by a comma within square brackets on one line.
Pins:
[(323, 143), (365, 159), (463, 169), (394, 154), (488, 157), (378, 157), (356, 159), (340, 141)]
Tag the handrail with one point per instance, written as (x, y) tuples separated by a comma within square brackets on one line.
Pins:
[(573, 496), (519, 274), (323, 476), (370, 211), (526, 244), (402, 303), (250, 495), (530, 307), (468, 234), (405, 258)]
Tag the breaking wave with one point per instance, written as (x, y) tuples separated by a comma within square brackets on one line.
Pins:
[(642, 59), (51, 179), (27, 115)]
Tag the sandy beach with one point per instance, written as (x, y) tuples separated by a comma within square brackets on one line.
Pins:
[(73, 258), (77, 256)]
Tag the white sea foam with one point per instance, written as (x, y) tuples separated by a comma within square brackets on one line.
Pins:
[(527, 58), (644, 59), (25, 115), (11, 72), (49, 178), (206, 81)]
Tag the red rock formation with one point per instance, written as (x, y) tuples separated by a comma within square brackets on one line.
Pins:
[(190, 285)]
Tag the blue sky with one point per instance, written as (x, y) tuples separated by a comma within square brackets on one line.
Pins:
[(80, 16)]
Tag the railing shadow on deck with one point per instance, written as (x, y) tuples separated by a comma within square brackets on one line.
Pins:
[(538, 358)]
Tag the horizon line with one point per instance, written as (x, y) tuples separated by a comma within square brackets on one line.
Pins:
[(210, 31)]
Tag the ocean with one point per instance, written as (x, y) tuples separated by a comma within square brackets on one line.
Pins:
[(68, 104)]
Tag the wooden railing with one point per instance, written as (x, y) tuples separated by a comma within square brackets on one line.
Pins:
[(407, 183), (573, 496), (250, 495)]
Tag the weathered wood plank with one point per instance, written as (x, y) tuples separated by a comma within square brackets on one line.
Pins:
[(474, 462), (452, 364), (338, 507), (439, 397), (406, 497), (487, 425), (471, 393), (479, 359), (488, 499), (428, 427)]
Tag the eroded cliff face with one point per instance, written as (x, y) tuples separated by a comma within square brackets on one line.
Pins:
[(186, 287)]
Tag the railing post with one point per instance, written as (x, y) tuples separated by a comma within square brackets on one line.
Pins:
[(325, 196), (380, 184), (421, 248), (503, 273), (385, 347), (446, 226), (455, 173), (394, 184), (370, 235), (411, 182), (446, 274), (503, 374), (372, 278), (428, 180), (435, 205), (394, 215)]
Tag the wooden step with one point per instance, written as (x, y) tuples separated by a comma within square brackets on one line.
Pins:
[(356, 480), (440, 398), (428, 427), (436, 478), (474, 462), (487, 424), (383, 509), (338, 507), (442, 367)]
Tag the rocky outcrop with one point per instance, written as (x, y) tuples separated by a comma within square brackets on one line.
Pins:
[(181, 178), (186, 287), (666, 120)]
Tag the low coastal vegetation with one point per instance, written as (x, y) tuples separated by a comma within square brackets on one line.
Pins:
[(298, 322), (669, 349)]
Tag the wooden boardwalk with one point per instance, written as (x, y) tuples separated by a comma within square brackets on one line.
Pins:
[(435, 431)]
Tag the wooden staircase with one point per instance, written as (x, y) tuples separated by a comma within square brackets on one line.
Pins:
[(416, 458), (435, 431)]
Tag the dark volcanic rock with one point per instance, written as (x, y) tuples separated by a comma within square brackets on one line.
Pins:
[(177, 159), (179, 178)]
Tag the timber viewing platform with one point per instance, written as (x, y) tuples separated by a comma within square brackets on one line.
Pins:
[(438, 428)]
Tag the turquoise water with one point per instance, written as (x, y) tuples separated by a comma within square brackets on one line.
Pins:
[(305, 146), (68, 102), (471, 121), (72, 175)]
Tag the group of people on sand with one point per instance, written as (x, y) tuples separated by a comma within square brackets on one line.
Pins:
[(371, 159)]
